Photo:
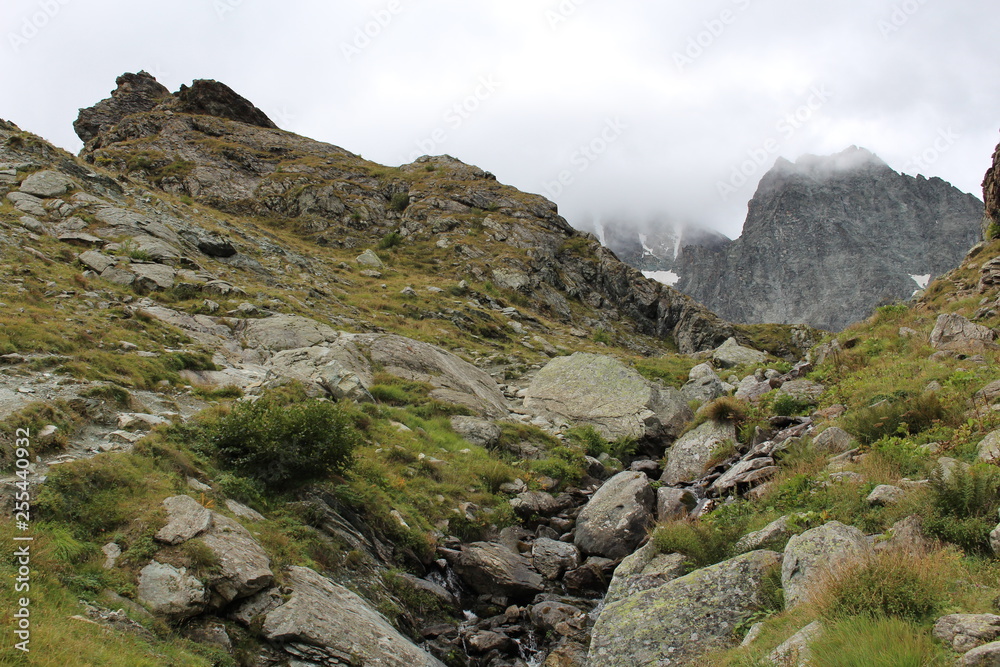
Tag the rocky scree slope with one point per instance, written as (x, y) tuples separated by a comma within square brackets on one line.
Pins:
[(827, 239)]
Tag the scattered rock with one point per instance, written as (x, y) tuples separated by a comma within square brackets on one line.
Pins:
[(47, 183), (989, 448), (773, 532), (171, 592), (369, 258), (833, 441), (965, 632), (987, 655), (477, 431), (817, 553), (731, 354), (186, 518), (794, 651), (552, 558), (884, 495), (954, 333), (687, 458), (493, 569), (674, 503)]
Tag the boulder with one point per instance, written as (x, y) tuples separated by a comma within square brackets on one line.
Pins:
[(493, 569), (773, 532), (884, 495), (693, 614), (751, 389), (242, 511), (744, 472), (171, 592), (817, 553), (477, 431), (674, 503), (601, 391), (47, 183), (152, 277), (703, 385), (731, 354), (687, 458), (617, 517), (645, 569), (954, 333), (833, 441), (593, 575), (794, 651), (804, 391), (186, 518), (369, 258), (559, 617), (337, 626), (324, 370), (284, 332), (987, 655), (536, 504), (906, 536), (243, 567), (989, 448), (552, 558), (96, 261), (964, 632)]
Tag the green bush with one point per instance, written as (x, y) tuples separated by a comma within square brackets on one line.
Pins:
[(881, 642), (390, 240), (283, 445), (786, 405), (904, 586), (896, 416), (704, 543), (399, 202), (964, 504)]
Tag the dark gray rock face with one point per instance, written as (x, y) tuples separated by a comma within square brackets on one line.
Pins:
[(828, 239), (657, 246), (135, 93)]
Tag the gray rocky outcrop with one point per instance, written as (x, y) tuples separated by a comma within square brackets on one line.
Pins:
[(477, 431), (618, 516), (833, 441), (644, 569), (186, 517), (601, 391), (171, 592), (325, 623), (964, 632), (954, 333), (731, 353), (694, 613), (817, 553), (552, 558), (703, 385), (687, 458), (847, 210)]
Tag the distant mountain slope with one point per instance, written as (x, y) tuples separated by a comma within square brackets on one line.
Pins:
[(655, 248), (827, 239)]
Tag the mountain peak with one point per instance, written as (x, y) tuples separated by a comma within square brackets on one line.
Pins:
[(851, 159)]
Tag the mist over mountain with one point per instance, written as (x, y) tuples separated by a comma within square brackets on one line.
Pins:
[(829, 238)]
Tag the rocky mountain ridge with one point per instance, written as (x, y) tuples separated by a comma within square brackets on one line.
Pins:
[(828, 239), (529, 476)]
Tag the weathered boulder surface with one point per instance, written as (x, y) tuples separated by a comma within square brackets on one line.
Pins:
[(703, 385), (47, 183), (794, 651), (493, 569), (135, 93), (987, 655), (693, 614), (552, 557), (817, 553), (243, 566), (989, 448), (731, 353), (645, 569), (601, 391), (171, 592), (833, 441), (965, 632), (687, 458), (332, 625), (186, 517), (477, 431), (618, 516), (954, 333)]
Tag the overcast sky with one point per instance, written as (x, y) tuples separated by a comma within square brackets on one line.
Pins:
[(629, 109)]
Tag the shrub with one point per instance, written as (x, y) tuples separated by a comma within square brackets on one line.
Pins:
[(390, 240), (283, 445), (964, 504), (725, 408), (891, 584), (703, 542), (399, 202), (900, 416), (786, 404)]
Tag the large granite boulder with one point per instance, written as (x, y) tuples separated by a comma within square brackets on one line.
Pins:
[(601, 391), (171, 592), (552, 557), (186, 517), (703, 385), (327, 624), (645, 569), (687, 458), (675, 623), (816, 554), (47, 183), (618, 517), (731, 354), (964, 632), (954, 333), (491, 568)]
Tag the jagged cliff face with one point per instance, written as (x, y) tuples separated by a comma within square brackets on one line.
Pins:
[(991, 193), (827, 240), (208, 143)]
